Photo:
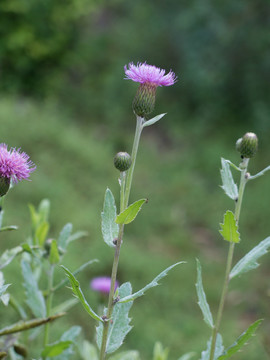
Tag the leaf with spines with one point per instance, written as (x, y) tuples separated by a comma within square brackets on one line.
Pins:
[(241, 341), (187, 356), (218, 349), (79, 294), (119, 326), (207, 316), (249, 261), (34, 297), (153, 283), (153, 120), (130, 213), (108, 225), (229, 185), (229, 230)]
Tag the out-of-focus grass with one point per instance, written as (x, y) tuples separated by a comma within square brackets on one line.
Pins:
[(178, 170)]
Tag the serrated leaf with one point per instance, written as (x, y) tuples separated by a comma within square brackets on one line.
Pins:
[(153, 120), (108, 225), (229, 230), (218, 350), (54, 254), (70, 335), (187, 356), (55, 349), (79, 294), (129, 214), (34, 297), (153, 283), (119, 327), (64, 236), (88, 351), (249, 261), (229, 185), (9, 255), (241, 341), (126, 355), (207, 316)]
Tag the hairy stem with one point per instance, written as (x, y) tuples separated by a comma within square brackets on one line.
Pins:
[(125, 187), (216, 328)]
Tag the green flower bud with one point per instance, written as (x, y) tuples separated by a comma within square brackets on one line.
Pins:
[(144, 101), (4, 185), (122, 161), (247, 145)]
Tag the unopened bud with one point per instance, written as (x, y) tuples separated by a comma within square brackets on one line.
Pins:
[(144, 101), (4, 185), (122, 161), (247, 145)]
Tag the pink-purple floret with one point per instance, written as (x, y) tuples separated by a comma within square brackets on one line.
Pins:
[(102, 284), (15, 165), (144, 73)]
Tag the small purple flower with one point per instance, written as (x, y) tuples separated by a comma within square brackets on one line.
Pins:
[(14, 165), (102, 284), (144, 73)]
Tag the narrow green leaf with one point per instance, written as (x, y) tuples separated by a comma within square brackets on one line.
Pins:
[(229, 230), (207, 316), (108, 225), (187, 356), (159, 352), (153, 283), (9, 255), (81, 268), (218, 350), (126, 355), (88, 351), (64, 236), (128, 215), (79, 294), (29, 324), (55, 349), (119, 326), (9, 228), (229, 185), (34, 216), (44, 210), (54, 254), (70, 335), (153, 120), (249, 261), (241, 341), (34, 297), (77, 235), (41, 233)]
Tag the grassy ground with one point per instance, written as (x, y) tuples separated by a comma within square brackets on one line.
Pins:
[(178, 170)]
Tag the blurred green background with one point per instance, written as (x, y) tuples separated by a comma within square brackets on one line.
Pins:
[(63, 100)]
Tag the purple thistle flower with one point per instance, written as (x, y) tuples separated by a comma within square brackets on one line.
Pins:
[(102, 284), (144, 73), (14, 165)]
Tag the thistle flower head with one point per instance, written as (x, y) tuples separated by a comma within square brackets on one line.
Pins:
[(14, 165), (144, 73), (247, 145), (102, 284), (122, 161)]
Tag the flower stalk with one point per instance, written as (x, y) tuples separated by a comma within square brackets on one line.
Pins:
[(243, 181)]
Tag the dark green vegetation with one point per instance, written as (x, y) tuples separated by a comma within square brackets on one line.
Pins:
[(65, 103)]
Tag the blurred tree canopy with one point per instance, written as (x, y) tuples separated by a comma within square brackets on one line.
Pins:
[(75, 50)]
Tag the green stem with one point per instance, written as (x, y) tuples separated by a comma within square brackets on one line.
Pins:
[(238, 205), (125, 187), (49, 304)]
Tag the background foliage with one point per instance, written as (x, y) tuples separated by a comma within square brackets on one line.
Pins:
[(64, 101)]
